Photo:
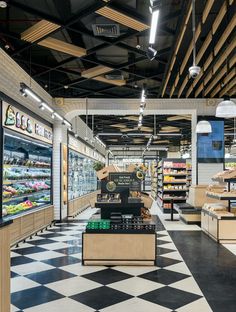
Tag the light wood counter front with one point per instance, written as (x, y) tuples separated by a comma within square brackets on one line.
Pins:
[(5, 269), (119, 249)]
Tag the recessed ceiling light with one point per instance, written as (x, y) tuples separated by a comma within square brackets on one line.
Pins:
[(66, 87), (3, 4)]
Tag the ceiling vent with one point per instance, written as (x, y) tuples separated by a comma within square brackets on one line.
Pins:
[(106, 30), (114, 76)]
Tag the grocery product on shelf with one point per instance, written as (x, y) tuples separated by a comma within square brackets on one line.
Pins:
[(82, 178)]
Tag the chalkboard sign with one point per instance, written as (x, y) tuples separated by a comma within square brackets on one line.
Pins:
[(125, 180)]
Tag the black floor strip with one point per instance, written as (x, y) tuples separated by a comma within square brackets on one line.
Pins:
[(212, 266)]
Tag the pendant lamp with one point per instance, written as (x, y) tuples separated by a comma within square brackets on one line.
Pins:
[(203, 126), (226, 108)]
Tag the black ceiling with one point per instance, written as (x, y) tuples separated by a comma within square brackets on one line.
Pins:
[(54, 69)]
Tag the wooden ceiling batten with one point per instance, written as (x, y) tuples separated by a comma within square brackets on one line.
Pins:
[(62, 46), (122, 18), (38, 31), (95, 71), (228, 87), (119, 83), (217, 47), (179, 41)]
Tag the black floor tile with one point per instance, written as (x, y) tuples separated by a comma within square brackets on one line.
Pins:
[(51, 235), (20, 260), (162, 250), (212, 265), (61, 261), (107, 276), (13, 274), (164, 261), (69, 224), (29, 250), (40, 242), (34, 296), (164, 276), (70, 250), (101, 297), (170, 297), (161, 242), (62, 229), (49, 276)]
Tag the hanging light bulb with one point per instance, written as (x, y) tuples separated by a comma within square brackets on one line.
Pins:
[(226, 108), (203, 126)]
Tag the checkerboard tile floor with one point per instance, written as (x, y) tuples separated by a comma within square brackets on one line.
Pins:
[(47, 276)]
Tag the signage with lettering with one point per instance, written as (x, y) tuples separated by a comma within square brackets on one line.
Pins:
[(13, 118), (125, 180)]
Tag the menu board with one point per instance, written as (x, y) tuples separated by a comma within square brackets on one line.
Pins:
[(125, 180)]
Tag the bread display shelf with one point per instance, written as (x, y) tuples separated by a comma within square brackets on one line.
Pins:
[(222, 196)]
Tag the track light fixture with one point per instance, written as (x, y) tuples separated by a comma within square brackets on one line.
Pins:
[(26, 91), (151, 53)]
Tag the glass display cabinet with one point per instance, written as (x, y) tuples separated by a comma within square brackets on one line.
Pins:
[(82, 178), (26, 174)]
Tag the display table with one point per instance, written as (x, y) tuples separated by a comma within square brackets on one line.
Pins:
[(119, 248), (4, 266)]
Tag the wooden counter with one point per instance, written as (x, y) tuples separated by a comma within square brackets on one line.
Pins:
[(119, 248), (5, 266)]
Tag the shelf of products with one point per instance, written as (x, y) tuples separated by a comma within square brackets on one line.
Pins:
[(82, 178), (26, 174), (173, 181)]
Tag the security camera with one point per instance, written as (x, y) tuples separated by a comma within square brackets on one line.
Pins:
[(138, 46), (194, 71)]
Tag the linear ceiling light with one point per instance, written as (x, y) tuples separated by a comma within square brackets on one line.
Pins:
[(122, 18), (62, 46), (38, 31), (153, 30), (26, 91)]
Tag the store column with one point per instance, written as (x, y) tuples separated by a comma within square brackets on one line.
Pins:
[(59, 171), (194, 147)]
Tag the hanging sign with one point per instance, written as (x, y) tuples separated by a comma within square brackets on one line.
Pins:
[(15, 119)]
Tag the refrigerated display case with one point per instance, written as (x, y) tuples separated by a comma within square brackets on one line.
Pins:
[(82, 178), (26, 174)]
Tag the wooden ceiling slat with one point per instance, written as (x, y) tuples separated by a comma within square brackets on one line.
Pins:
[(229, 86), (219, 17), (207, 10), (179, 41), (122, 18), (183, 86), (38, 31), (95, 71), (225, 35), (114, 82), (203, 48), (62, 46)]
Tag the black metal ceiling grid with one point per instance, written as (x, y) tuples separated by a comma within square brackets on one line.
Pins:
[(52, 70), (56, 69)]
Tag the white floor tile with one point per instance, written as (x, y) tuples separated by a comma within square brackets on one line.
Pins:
[(73, 286), (63, 238), (179, 267), (61, 305), (196, 306), (44, 255), (135, 270), (22, 245), (188, 284), (13, 308), (167, 245), (56, 245), (135, 286), (20, 283), (32, 267), (14, 254), (231, 248), (165, 238), (136, 305), (78, 269), (173, 255), (77, 255)]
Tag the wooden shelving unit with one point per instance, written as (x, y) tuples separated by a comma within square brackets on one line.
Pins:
[(172, 182)]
